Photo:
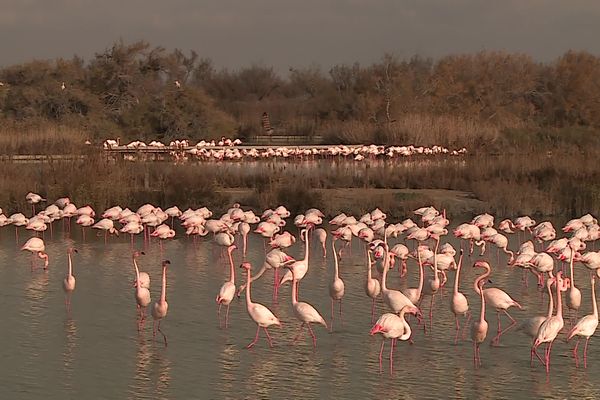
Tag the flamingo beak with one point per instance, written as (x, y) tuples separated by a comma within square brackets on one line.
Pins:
[(376, 329)]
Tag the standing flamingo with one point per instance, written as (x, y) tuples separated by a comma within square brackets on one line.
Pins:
[(393, 327), (159, 311), (551, 326), (69, 281), (480, 328), (321, 235), (458, 303), (394, 299), (37, 248), (496, 298), (305, 313), (142, 294), (574, 294), (336, 287), (372, 286), (585, 327), (259, 313), (227, 291), (300, 266)]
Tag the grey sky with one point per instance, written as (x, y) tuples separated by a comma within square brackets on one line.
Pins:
[(281, 33)]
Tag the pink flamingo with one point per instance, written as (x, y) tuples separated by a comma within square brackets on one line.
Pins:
[(372, 286), (551, 326), (496, 298), (159, 311), (84, 220), (33, 199), (305, 312), (574, 294), (393, 327), (300, 266), (37, 248), (394, 299), (480, 328), (259, 313), (336, 286), (585, 327), (69, 281), (108, 226), (227, 291), (142, 294), (321, 235), (458, 303)]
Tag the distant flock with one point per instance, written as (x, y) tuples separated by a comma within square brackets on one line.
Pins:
[(388, 246)]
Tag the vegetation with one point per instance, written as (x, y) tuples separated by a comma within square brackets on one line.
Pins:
[(490, 101)]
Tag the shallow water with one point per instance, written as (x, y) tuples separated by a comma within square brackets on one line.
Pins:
[(96, 351)]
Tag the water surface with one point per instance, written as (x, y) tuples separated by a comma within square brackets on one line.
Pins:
[(96, 351)]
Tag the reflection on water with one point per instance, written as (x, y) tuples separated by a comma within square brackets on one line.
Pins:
[(50, 354)]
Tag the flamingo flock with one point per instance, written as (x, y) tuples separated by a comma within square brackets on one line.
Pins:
[(420, 241), (232, 150)]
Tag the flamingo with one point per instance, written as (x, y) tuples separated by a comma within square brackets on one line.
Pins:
[(108, 226), (261, 315), (33, 199), (480, 328), (574, 294), (496, 298), (394, 299), (458, 303), (69, 281), (300, 266), (142, 294), (336, 286), (37, 248), (393, 327), (551, 326), (372, 286), (414, 294), (585, 327), (227, 291), (160, 308), (321, 235), (305, 312), (84, 220)]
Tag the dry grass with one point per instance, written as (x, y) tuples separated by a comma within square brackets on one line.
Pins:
[(42, 139)]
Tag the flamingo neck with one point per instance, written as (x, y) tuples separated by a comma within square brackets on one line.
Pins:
[(70, 265), (248, 284), (385, 269), (137, 273), (550, 301), (231, 269), (369, 274), (487, 273), (421, 277), (335, 259), (558, 301), (457, 276), (571, 269), (482, 313), (163, 292), (594, 305), (294, 290), (435, 267)]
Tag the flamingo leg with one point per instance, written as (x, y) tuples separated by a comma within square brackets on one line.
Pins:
[(457, 328), (392, 356), (300, 330), (575, 353), (469, 315), (162, 333), (219, 314), (314, 338), (268, 337), (227, 317), (341, 318), (587, 341), (255, 338), (332, 314), (381, 355), (373, 311), (501, 332)]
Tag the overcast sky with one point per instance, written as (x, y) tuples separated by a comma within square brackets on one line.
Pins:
[(279, 33)]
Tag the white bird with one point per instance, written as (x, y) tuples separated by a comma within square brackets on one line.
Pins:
[(227, 291)]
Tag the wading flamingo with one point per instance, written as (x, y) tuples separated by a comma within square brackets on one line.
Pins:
[(458, 303), (227, 291), (393, 327), (336, 286), (37, 248), (372, 286), (304, 312), (497, 299), (480, 328), (69, 281), (159, 311), (261, 315), (585, 327)]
